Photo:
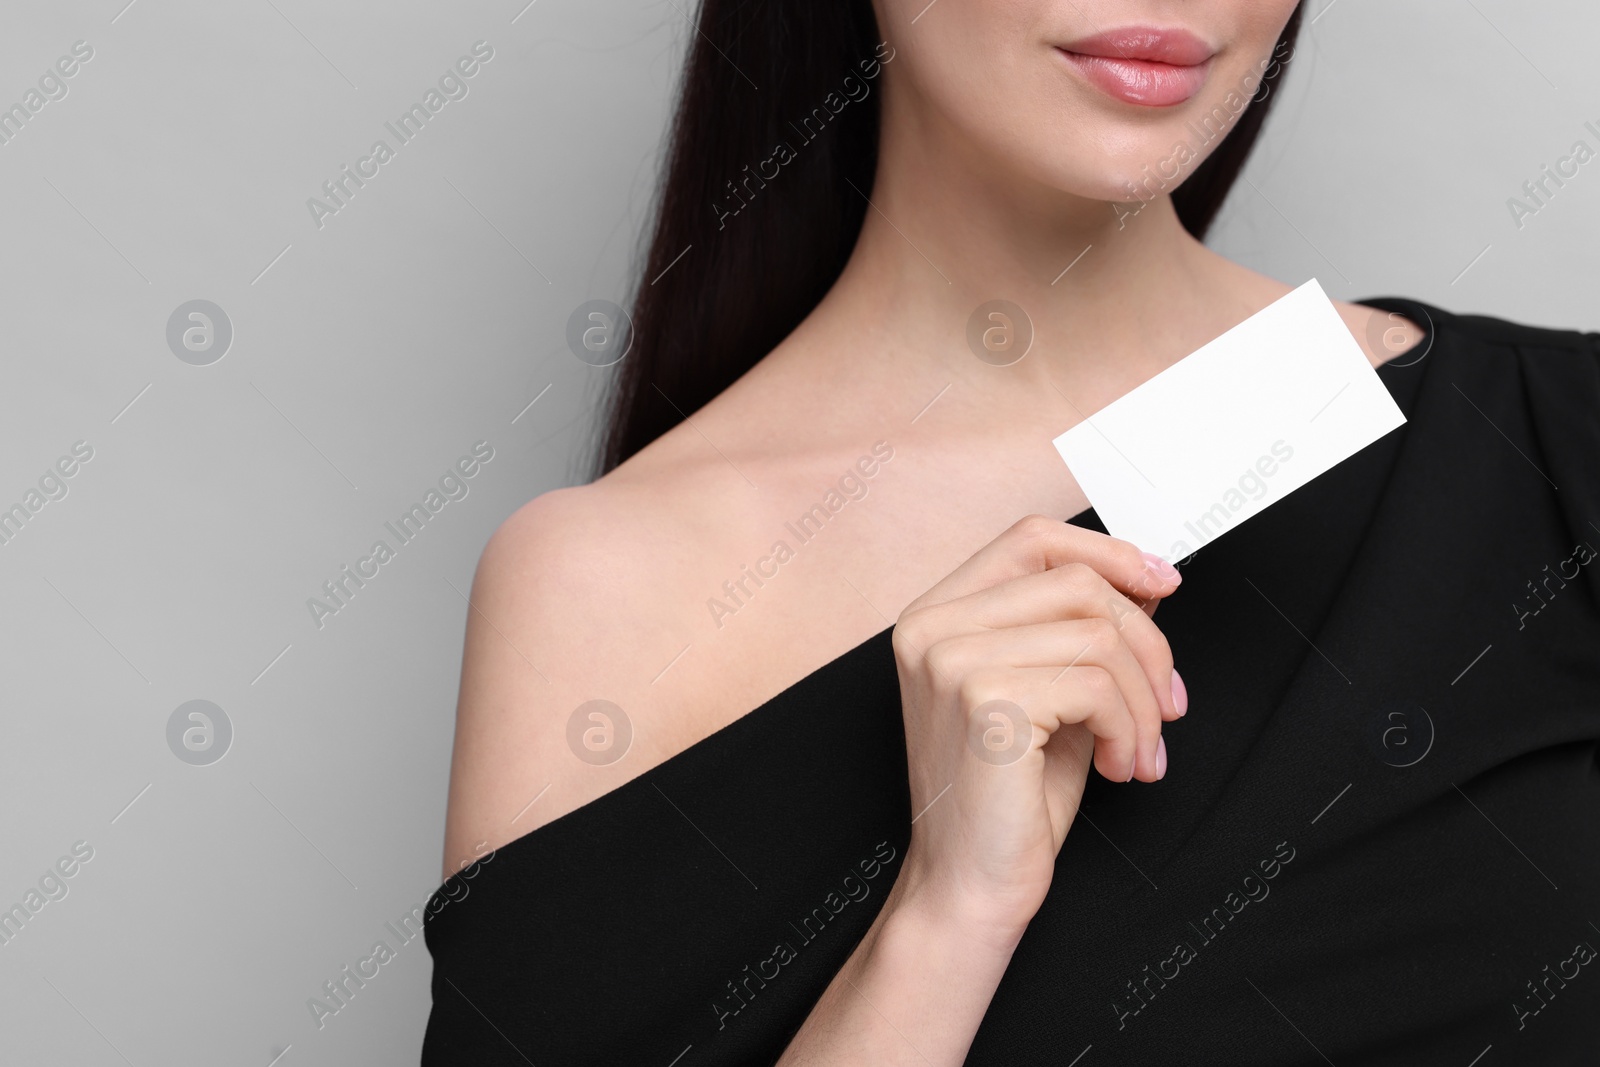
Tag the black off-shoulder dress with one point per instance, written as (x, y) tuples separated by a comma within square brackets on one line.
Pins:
[(1378, 843)]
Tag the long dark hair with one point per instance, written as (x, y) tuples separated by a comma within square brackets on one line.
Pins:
[(737, 261)]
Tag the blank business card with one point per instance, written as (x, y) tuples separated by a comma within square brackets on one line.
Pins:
[(1232, 428)]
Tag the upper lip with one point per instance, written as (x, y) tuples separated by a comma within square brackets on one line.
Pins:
[(1177, 47)]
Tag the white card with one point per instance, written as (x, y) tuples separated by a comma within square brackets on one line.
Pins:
[(1232, 428)]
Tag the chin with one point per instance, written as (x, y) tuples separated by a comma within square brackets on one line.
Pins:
[(1112, 163), (1115, 100)]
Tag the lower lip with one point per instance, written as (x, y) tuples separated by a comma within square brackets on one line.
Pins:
[(1140, 81)]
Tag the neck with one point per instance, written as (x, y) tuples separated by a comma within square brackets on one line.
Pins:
[(1115, 292)]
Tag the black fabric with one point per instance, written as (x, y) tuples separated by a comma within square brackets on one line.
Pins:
[(1378, 840)]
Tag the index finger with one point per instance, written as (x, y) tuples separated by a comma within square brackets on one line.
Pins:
[(1038, 543)]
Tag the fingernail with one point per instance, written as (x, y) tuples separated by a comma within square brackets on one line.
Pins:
[(1161, 568), (1180, 694), (1161, 758)]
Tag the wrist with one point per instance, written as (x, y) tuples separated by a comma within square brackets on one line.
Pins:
[(923, 937), (940, 908)]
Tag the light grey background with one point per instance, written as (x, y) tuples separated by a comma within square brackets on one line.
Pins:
[(369, 354)]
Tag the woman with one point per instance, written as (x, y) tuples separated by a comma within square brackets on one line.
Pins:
[(1373, 839)]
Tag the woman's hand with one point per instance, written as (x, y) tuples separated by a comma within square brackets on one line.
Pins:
[(1033, 657)]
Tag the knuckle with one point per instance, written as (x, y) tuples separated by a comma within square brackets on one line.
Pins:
[(1122, 609), (911, 634), (1035, 528), (1143, 634), (1144, 586), (914, 608), (1100, 632), (1095, 683), (1150, 646), (1079, 578), (1129, 560), (906, 652), (946, 659), (977, 689), (1128, 554)]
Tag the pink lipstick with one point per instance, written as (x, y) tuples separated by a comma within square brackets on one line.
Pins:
[(1142, 65)]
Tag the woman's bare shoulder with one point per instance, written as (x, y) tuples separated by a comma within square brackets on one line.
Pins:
[(582, 600)]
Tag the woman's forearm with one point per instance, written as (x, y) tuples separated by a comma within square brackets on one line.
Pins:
[(913, 992)]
